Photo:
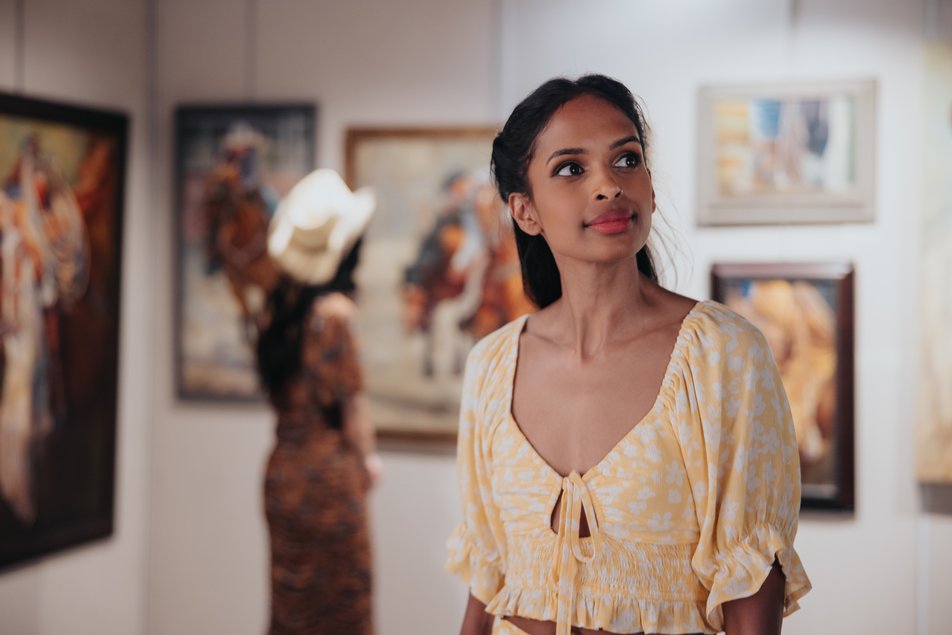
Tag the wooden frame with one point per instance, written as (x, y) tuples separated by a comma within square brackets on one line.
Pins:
[(787, 153), (224, 154), (806, 312), (934, 429), (62, 190), (416, 327)]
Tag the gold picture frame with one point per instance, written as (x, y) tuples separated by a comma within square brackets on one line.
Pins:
[(438, 270)]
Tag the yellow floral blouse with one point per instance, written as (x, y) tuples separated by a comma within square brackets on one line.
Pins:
[(688, 511)]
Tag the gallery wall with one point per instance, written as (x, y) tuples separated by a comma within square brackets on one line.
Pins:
[(190, 553), (94, 53)]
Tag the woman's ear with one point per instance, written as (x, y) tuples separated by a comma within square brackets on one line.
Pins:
[(523, 213)]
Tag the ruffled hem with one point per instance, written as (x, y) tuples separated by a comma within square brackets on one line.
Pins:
[(742, 570), (466, 561), (605, 611)]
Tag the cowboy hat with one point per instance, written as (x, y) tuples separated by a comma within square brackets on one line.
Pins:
[(317, 224)]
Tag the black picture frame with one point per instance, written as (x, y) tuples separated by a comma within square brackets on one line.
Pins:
[(806, 312), (62, 193), (214, 359)]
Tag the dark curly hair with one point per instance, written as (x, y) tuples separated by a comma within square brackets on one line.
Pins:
[(513, 148)]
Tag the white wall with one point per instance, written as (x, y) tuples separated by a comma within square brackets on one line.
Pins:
[(94, 53)]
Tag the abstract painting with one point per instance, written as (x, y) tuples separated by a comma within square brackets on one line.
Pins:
[(805, 311), (934, 432), (786, 153)]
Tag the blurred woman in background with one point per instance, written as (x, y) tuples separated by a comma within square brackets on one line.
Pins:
[(323, 462)]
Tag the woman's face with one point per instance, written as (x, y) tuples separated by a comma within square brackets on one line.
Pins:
[(591, 193)]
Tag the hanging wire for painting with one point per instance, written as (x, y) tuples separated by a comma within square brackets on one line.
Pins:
[(794, 13), (251, 48), (19, 56)]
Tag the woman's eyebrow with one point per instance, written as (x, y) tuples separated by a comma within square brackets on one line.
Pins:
[(616, 144), (622, 142), (564, 151)]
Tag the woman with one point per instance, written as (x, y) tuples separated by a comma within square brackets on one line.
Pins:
[(627, 462), (323, 461)]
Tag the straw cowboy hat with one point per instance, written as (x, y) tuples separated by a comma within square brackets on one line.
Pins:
[(317, 224)]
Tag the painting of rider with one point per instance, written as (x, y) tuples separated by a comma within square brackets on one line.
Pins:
[(439, 270), (233, 165), (61, 192)]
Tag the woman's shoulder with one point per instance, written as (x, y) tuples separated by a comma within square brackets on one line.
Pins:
[(335, 308), (495, 348), (715, 327)]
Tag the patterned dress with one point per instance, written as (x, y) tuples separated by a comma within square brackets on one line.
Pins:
[(315, 491)]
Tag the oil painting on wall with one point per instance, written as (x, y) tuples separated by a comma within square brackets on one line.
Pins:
[(438, 270), (62, 171), (806, 313), (786, 153), (935, 292), (233, 165)]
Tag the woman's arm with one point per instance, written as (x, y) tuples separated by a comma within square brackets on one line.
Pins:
[(762, 612), (359, 431), (476, 621)]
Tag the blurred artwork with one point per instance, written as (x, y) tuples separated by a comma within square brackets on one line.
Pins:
[(439, 270), (234, 163), (934, 452), (775, 147), (787, 154), (803, 320), (61, 189)]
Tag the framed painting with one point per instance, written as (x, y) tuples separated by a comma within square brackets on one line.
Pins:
[(806, 313), (233, 164), (934, 430), (439, 270), (787, 153), (62, 177)]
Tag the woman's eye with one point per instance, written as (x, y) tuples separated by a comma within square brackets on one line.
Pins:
[(628, 160), (568, 169)]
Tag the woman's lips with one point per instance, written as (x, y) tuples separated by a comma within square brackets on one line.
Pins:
[(614, 222)]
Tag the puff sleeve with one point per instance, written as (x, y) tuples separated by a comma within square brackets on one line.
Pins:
[(476, 546), (742, 460)]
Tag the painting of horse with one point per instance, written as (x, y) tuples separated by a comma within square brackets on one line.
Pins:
[(234, 163), (439, 270)]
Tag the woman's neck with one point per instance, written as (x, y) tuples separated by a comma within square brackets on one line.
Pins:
[(600, 306)]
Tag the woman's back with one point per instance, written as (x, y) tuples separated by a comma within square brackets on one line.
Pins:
[(315, 487)]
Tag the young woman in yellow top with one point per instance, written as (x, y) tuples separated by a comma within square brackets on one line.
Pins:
[(627, 460)]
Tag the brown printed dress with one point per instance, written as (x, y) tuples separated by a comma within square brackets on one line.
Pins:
[(315, 491)]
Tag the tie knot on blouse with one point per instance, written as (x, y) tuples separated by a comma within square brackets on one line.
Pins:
[(574, 498)]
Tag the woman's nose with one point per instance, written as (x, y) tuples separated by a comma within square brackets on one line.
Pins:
[(607, 189)]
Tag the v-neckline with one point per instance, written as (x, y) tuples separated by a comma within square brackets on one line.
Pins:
[(593, 469)]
